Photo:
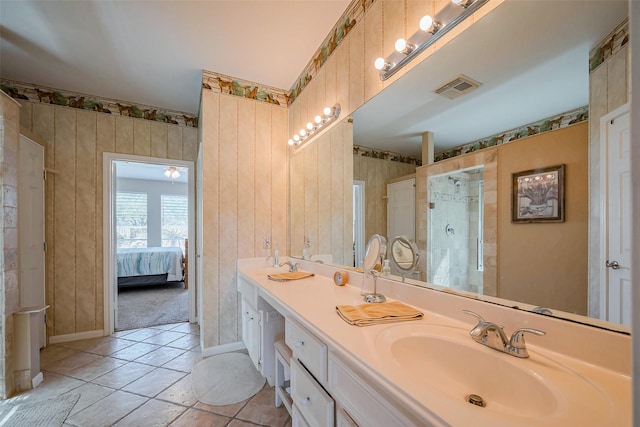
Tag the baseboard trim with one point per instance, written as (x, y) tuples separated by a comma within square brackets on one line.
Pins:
[(77, 336), (224, 348)]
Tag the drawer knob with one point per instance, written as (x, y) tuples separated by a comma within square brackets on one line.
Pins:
[(305, 401), (299, 344)]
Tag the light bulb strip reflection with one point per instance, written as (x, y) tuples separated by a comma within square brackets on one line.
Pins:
[(451, 15), (329, 115)]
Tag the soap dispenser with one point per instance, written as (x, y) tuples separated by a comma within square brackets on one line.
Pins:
[(276, 258)]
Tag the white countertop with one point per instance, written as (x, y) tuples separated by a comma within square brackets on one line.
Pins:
[(312, 303)]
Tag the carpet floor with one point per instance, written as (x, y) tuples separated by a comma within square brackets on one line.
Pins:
[(153, 305)]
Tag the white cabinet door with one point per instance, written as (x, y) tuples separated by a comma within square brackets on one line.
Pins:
[(251, 332)]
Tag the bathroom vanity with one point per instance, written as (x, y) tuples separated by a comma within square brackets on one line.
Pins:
[(428, 372)]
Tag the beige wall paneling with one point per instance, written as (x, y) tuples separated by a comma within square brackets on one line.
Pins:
[(210, 119), (228, 214), (330, 85), (85, 208), (393, 26), (356, 66), (174, 142), (75, 142), (106, 142), (26, 116), (189, 144), (42, 125), (617, 70), (297, 202), (279, 178), (373, 48), (343, 81), (65, 219), (142, 137), (158, 139), (311, 191), (262, 180), (244, 200), (326, 196), (124, 135)]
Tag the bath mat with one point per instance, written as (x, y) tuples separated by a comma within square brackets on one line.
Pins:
[(225, 379), (42, 413)]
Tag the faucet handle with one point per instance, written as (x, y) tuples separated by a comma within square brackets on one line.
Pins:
[(517, 343), (473, 313)]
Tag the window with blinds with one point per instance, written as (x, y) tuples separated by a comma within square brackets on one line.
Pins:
[(175, 220), (131, 219)]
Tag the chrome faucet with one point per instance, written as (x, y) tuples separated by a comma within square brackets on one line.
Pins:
[(292, 267), (493, 336)]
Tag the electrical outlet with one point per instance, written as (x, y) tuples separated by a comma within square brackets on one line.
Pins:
[(267, 243)]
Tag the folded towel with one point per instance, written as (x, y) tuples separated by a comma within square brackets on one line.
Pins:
[(285, 277), (374, 313)]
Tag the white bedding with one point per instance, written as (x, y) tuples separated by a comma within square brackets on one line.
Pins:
[(149, 261)]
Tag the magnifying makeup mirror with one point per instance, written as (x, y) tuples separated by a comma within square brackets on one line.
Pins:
[(404, 255), (373, 258)]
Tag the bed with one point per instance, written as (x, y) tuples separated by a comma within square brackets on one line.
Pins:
[(150, 266)]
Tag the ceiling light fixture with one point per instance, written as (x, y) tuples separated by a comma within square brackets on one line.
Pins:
[(431, 28), (329, 115), (171, 172)]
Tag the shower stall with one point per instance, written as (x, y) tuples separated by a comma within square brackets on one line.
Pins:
[(455, 224)]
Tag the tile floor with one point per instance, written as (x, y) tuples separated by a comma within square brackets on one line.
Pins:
[(142, 378)]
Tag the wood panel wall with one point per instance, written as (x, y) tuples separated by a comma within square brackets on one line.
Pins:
[(75, 142), (245, 187)]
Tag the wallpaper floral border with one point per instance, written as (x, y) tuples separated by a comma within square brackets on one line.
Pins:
[(222, 83), (359, 150), (47, 95), (611, 44), (545, 125)]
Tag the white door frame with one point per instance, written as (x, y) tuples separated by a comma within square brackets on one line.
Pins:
[(358, 212), (109, 241), (604, 220)]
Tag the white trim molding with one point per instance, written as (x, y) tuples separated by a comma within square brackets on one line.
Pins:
[(55, 339), (224, 348)]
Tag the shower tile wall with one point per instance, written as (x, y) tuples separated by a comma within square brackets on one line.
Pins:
[(454, 253)]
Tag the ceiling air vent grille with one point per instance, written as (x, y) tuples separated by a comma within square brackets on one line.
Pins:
[(459, 86)]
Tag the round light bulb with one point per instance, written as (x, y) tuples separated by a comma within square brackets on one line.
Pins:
[(379, 64), (426, 23), (309, 126), (303, 132), (290, 141), (296, 138), (327, 111), (318, 119), (401, 44)]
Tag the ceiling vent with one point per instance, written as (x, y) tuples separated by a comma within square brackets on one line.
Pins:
[(461, 85)]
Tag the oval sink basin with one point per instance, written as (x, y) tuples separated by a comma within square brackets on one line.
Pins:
[(445, 361)]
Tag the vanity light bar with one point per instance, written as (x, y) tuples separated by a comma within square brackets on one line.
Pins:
[(430, 30), (329, 115)]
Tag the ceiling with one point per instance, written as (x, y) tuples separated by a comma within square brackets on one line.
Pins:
[(532, 58), (153, 52), (149, 172)]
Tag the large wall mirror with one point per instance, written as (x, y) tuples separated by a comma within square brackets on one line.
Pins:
[(531, 59)]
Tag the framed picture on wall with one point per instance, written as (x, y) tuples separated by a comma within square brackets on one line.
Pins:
[(538, 195)]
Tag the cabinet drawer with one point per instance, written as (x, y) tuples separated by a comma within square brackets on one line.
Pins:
[(365, 405), (308, 349), (296, 418), (315, 405)]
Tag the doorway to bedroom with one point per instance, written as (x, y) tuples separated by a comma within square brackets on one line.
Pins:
[(151, 206)]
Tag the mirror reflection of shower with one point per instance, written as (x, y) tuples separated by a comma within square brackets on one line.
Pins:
[(455, 224)]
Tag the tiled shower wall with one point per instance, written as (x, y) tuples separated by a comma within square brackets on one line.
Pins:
[(75, 141), (9, 292)]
